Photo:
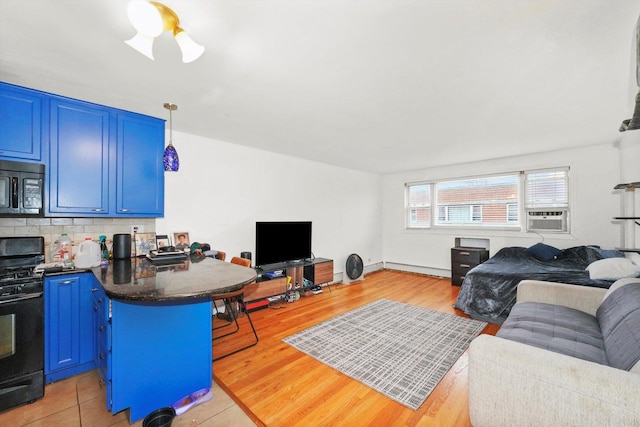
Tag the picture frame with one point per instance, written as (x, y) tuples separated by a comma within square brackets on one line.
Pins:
[(181, 240), (145, 243), (162, 240)]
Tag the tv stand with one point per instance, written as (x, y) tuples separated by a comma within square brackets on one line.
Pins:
[(317, 270)]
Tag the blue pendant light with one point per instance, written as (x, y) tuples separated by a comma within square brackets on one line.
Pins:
[(170, 158)]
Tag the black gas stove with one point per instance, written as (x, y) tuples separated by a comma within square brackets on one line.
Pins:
[(21, 321)]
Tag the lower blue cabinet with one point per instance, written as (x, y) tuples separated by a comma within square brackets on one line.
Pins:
[(69, 325), (102, 324)]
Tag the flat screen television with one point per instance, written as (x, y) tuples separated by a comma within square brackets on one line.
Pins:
[(278, 242)]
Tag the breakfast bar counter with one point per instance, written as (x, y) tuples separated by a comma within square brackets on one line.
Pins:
[(139, 279), (153, 323)]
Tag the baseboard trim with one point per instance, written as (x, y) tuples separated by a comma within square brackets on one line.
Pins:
[(429, 271), (371, 268)]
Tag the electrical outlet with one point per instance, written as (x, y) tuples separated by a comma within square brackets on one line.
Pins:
[(140, 228)]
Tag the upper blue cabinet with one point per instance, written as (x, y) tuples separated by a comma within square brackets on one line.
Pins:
[(78, 173), (20, 123), (99, 161), (140, 172)]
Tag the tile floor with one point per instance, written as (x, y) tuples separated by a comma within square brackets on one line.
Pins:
[(79, 402)]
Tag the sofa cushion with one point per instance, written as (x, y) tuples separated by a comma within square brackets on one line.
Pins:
[(556, 328), (619, 317), (620, 283)]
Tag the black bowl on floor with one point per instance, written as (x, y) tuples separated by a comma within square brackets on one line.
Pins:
[(162, 417)]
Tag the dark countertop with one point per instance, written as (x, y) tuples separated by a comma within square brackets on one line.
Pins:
[(139, 279)]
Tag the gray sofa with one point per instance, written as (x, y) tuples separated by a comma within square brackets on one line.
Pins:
[(567, 355)]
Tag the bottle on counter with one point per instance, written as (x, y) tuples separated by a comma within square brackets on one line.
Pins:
[(104, 252), (61, 248)]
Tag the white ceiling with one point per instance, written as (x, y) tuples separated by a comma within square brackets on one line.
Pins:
[(374, 85)]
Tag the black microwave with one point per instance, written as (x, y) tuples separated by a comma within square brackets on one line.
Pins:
[(21, 188)]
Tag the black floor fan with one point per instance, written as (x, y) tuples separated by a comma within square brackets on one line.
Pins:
[(354, 269)]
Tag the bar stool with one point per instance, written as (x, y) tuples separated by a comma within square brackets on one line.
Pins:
[(229, 299)]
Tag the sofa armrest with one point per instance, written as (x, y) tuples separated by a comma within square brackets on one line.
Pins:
[(583, 298), (514, 384)]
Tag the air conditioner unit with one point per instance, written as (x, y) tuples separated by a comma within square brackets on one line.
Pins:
[(548, 221)]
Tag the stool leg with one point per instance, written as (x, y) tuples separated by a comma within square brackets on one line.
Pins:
[(243, 307), (234, 318)]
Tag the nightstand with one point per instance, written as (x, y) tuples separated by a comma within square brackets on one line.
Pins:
[(463, 259)]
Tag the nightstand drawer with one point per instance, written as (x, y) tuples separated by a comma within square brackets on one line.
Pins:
[(472, 256)]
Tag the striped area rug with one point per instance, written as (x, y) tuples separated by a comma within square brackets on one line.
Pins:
[(397, 349)]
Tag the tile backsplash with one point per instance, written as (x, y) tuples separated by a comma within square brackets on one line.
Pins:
[(77, 228)]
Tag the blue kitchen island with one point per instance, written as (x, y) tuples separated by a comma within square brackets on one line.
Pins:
[(154, 329)]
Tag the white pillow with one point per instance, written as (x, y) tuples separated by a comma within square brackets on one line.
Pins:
[(612, 269), (633, 256)]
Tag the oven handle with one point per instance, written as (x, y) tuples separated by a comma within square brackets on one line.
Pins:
[(22, 298)]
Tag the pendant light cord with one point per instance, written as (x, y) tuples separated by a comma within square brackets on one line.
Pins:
[(169, 106), (170, 125)]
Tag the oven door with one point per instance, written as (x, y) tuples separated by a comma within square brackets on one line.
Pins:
[(21, 336)]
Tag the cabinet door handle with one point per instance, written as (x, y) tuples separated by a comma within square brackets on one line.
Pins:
[(465, 265), (102, 328), (95, 308), (66, 282), (100, 300), (102, 356), (465, 253), (124, 210), (98, 210)]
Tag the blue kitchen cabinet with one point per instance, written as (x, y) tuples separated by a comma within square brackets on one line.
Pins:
[(102, 331), (69, 325), (20, 123), (149, 355), (140, 172), (79, 160), (104, 162)]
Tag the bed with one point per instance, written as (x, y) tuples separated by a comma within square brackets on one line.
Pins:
[(489, 290)]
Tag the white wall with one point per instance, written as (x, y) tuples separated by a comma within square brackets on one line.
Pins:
[(594, 171), (222, 189)]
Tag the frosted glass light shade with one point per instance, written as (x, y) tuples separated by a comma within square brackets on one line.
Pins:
[(170, 159), (190, 49), (143, 44), (145, 18)]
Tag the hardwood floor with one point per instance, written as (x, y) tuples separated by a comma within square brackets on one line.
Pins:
[(277, 385)]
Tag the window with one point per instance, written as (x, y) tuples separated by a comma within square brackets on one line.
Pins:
[(459, 214), (486, 201), (419, 205), (489, 201)]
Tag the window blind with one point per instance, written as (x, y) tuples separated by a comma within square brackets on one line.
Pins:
[(547, 189)]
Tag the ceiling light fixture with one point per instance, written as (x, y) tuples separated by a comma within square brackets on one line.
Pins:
[(170, 158), (150, 19)]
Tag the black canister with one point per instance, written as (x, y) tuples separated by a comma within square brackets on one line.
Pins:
[(121, 246)]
